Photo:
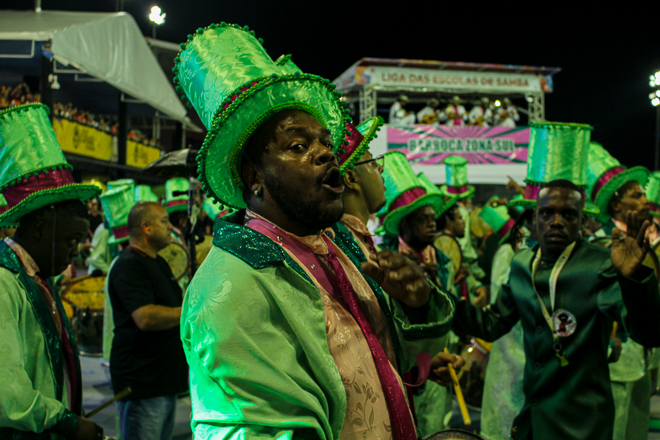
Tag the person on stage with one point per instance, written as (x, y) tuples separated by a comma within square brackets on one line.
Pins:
[(616, 191), (567, 293), (429, 114), (507, 114), (147, 354), (41, 394), (481, 114), (454, 115), (281, 323), (398, 113)]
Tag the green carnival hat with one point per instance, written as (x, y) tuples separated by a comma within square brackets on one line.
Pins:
[(33, 170), (557, 150), (441, 205), (113, 184), (653, 193), (143, 193), (3, 208), (234, 85), (286, 64), (117, 203), (457, 181), (358, 139), (176, 194), (498, 218), (605, 175), (403, 191), (215, 210)]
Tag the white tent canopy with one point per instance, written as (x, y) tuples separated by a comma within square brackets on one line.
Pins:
[(107, 46)]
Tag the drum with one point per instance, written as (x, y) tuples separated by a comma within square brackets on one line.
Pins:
[(178, 259), (472, 375), (453, 434), (478, 226), (204, 248), (448, 245), (84, 298)]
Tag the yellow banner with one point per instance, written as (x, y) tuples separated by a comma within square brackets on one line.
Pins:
[(84, 140), (138, 155), (88, 141)]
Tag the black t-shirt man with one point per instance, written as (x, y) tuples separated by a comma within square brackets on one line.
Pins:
[(152, 363)]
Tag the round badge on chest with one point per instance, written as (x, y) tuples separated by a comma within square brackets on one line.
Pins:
[(565, 322)]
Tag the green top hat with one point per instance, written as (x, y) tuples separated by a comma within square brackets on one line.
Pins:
[(457, 181), (215, 210), (403, 191), (557, 150), (3, 208), (653, 193), (287, 66), (117, 203), (33, 170), (143, 193), (498, 218), (441, 205), (176, 194), (113, 184), (234, 85), (605, 175), (358, 139)]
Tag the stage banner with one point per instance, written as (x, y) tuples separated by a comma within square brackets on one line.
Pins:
[(455, 80), (139, 155), (81, 139), (429, 145)]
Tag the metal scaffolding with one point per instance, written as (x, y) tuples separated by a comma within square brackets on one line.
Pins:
[(536, 106), (368, 108)]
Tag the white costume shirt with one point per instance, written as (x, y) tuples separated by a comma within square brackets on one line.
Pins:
[(478, 112), (398, 115), (425, 112), (510, 120), (459, 110)]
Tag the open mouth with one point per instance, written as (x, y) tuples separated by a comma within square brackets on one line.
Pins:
[(333, 181)]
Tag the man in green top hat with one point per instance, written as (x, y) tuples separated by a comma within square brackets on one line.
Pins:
[(280, 321), (566, 293), (41, 395), (615, 190)]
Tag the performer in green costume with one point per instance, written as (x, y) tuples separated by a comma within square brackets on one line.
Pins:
[(617, 190), (567, 293), (278, 343), (41, 394)]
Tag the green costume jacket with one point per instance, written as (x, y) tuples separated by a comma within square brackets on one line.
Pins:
[(32, 391), (254, 332), (575, 401)]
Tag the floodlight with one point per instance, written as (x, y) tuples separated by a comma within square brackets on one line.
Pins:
[(156, 15), (655, 102), (498, 103)]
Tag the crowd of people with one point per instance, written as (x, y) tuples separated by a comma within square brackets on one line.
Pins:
[(483, 113), (338, 289), (19, 95)]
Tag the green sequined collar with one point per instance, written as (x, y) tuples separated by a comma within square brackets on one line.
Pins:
[(254, 248), (8, 259)]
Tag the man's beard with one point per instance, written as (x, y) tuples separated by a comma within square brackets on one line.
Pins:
[(308, 214)]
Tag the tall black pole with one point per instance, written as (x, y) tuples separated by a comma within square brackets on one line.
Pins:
[(122, 133), (47, 95)]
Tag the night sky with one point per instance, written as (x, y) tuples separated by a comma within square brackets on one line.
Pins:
[(606, 56)]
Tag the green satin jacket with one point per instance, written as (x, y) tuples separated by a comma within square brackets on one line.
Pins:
[(253, 329), (572, 402), (32, 391)]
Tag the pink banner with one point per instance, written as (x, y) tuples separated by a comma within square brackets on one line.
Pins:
[(429, 145)]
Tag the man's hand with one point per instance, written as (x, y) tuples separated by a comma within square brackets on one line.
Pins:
[(399, 277), (86, 430), (628, 252), (482, 299), (439, 367)]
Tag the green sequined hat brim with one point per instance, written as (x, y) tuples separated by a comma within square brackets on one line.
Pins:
[(45, 197), (369, 135), (112, 240), (176, 208), (638, 174), (463, 195), (393, 219), (220, 155)]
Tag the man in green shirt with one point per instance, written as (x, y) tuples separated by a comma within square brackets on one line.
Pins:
[(566, 293)]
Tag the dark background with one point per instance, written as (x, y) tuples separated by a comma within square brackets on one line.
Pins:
[(606, 53)]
